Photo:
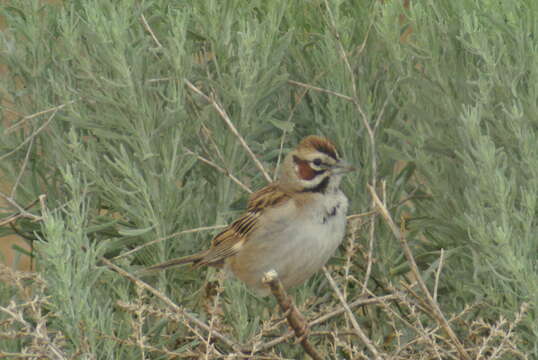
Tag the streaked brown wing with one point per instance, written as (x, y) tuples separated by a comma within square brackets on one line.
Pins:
[(268, 196), (230, 241)]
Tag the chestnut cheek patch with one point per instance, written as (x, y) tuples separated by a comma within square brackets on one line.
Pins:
[(303, 169)]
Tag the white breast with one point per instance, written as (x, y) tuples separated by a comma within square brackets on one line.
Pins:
[(294, 243)]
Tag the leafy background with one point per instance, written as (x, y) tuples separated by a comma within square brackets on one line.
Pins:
[(119, 114)]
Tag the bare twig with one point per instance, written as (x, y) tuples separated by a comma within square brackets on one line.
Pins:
[(198, 323), (370, 257), (214, 310), (36, 326), (23, 167), (22, 211), (14, 217), (148, 28), (29, 117), (438, 275), (355, 98), (352, 305), (369, 129), (315, 88), (375, 211), (295, 319), (352, 318), (34, 134), (220, 169), (232, 128), (20, 355), (436, 311), (152, 242), (384, 106), (360, 215), (328, 316), (292, 113)]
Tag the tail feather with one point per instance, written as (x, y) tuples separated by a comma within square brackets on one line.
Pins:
[(194, 259)]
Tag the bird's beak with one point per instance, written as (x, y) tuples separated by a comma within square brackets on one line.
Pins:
[(342, 167)]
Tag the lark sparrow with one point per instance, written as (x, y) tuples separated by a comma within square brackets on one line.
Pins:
[(293, 225)]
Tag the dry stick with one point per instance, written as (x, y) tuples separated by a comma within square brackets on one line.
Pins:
[(19, 355), (355, 97), (292, 113), (200, 324), (354, 322), (294, 317), (23, 167), (220, 169), (29, 117), (214, 310), (14, 217), (315, 88), (439, 316), (212, 141), (140, 247), (38, 333), (34, 134), (22, 211), (368, 127), (351, 305), (370, 257), (232, 128), (148, 28), (438, 275), (217, 107), (374, 212), (328, 316)]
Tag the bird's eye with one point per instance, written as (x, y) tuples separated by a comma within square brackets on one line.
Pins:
[(317, 162)]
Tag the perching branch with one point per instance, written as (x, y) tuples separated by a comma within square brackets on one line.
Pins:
[(232, 128), (294, 317), (436, 311)]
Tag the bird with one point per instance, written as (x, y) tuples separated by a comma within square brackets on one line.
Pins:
[(293, 225)]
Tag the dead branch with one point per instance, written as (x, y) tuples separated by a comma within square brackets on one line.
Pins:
[(294, 317)]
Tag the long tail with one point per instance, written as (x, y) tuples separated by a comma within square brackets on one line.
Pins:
[(195, 258)]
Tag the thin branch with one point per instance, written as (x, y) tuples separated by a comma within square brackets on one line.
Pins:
[(148, 28), (436, 311), (29, 117), (315, 88), (152, 242), (355, 98), (232, 128), (352, 318), (149, 81), (352, 305), (374, 212), (220, 169), (284, 133), (20, 355), (31, 137), (371, 131), (214, 310), (15, 216), (22, 211), (362, 46), (23, 167), (438, 275), (294, 317), (328, 316), (385, 104), (200, 324)]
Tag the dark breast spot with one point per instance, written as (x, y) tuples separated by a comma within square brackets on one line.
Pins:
[(329, 214)]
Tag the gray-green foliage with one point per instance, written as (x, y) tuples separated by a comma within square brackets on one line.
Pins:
[(456, 102), (469, 110)]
